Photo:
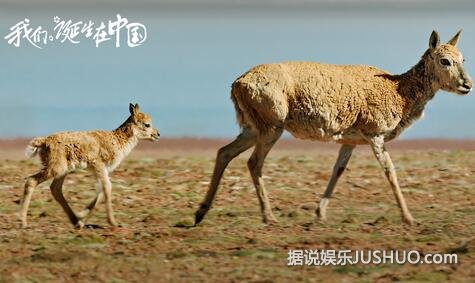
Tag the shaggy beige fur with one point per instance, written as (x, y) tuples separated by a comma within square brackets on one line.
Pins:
[(99, 151), (350, 105)]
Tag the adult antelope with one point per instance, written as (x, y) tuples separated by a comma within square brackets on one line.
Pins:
[(347, 104)]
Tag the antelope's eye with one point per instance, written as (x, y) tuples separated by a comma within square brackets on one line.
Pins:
[(445, 62), (146, 125)]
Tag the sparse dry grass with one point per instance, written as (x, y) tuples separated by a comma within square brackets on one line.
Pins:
[(155, 200)]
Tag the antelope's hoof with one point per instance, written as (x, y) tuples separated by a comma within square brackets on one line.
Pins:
[(320, 220), (270, 219), (409, 220), (321, 215), (23, 223), (79, 225), (200, 213)]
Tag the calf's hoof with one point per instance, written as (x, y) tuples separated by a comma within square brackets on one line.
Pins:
[(270, 219), (409, 220)]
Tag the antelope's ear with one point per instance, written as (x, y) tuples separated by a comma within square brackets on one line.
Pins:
[(137, 107), (133, 109), (434, 40), (455, 39)]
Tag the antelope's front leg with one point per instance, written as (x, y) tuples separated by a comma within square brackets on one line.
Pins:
[(377, 144), (103, 176)]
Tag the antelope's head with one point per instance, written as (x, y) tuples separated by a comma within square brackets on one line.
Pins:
[(142, 124), (445, 62)]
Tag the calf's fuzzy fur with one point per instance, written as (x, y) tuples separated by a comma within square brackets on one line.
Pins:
[(99, 151)]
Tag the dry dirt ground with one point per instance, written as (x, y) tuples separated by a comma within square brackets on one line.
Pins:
[(155, 196)]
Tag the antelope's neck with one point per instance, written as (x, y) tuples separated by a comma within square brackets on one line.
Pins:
[(417, 86), (126, 140)]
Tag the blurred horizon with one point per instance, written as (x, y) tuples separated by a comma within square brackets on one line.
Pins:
[(195, 49)]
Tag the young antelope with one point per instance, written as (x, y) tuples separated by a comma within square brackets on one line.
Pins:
[(99, 151)]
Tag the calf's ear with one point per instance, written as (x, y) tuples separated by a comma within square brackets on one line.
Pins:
[(134, 109), (434, 40), (454, 40)]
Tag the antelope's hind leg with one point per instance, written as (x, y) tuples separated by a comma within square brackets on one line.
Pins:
[(57, 191), (92, 205), (342, 161), (31, 183), (255, 164), (243, 141)]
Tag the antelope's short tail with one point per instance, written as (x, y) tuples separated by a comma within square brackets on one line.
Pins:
[(34, 146)]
